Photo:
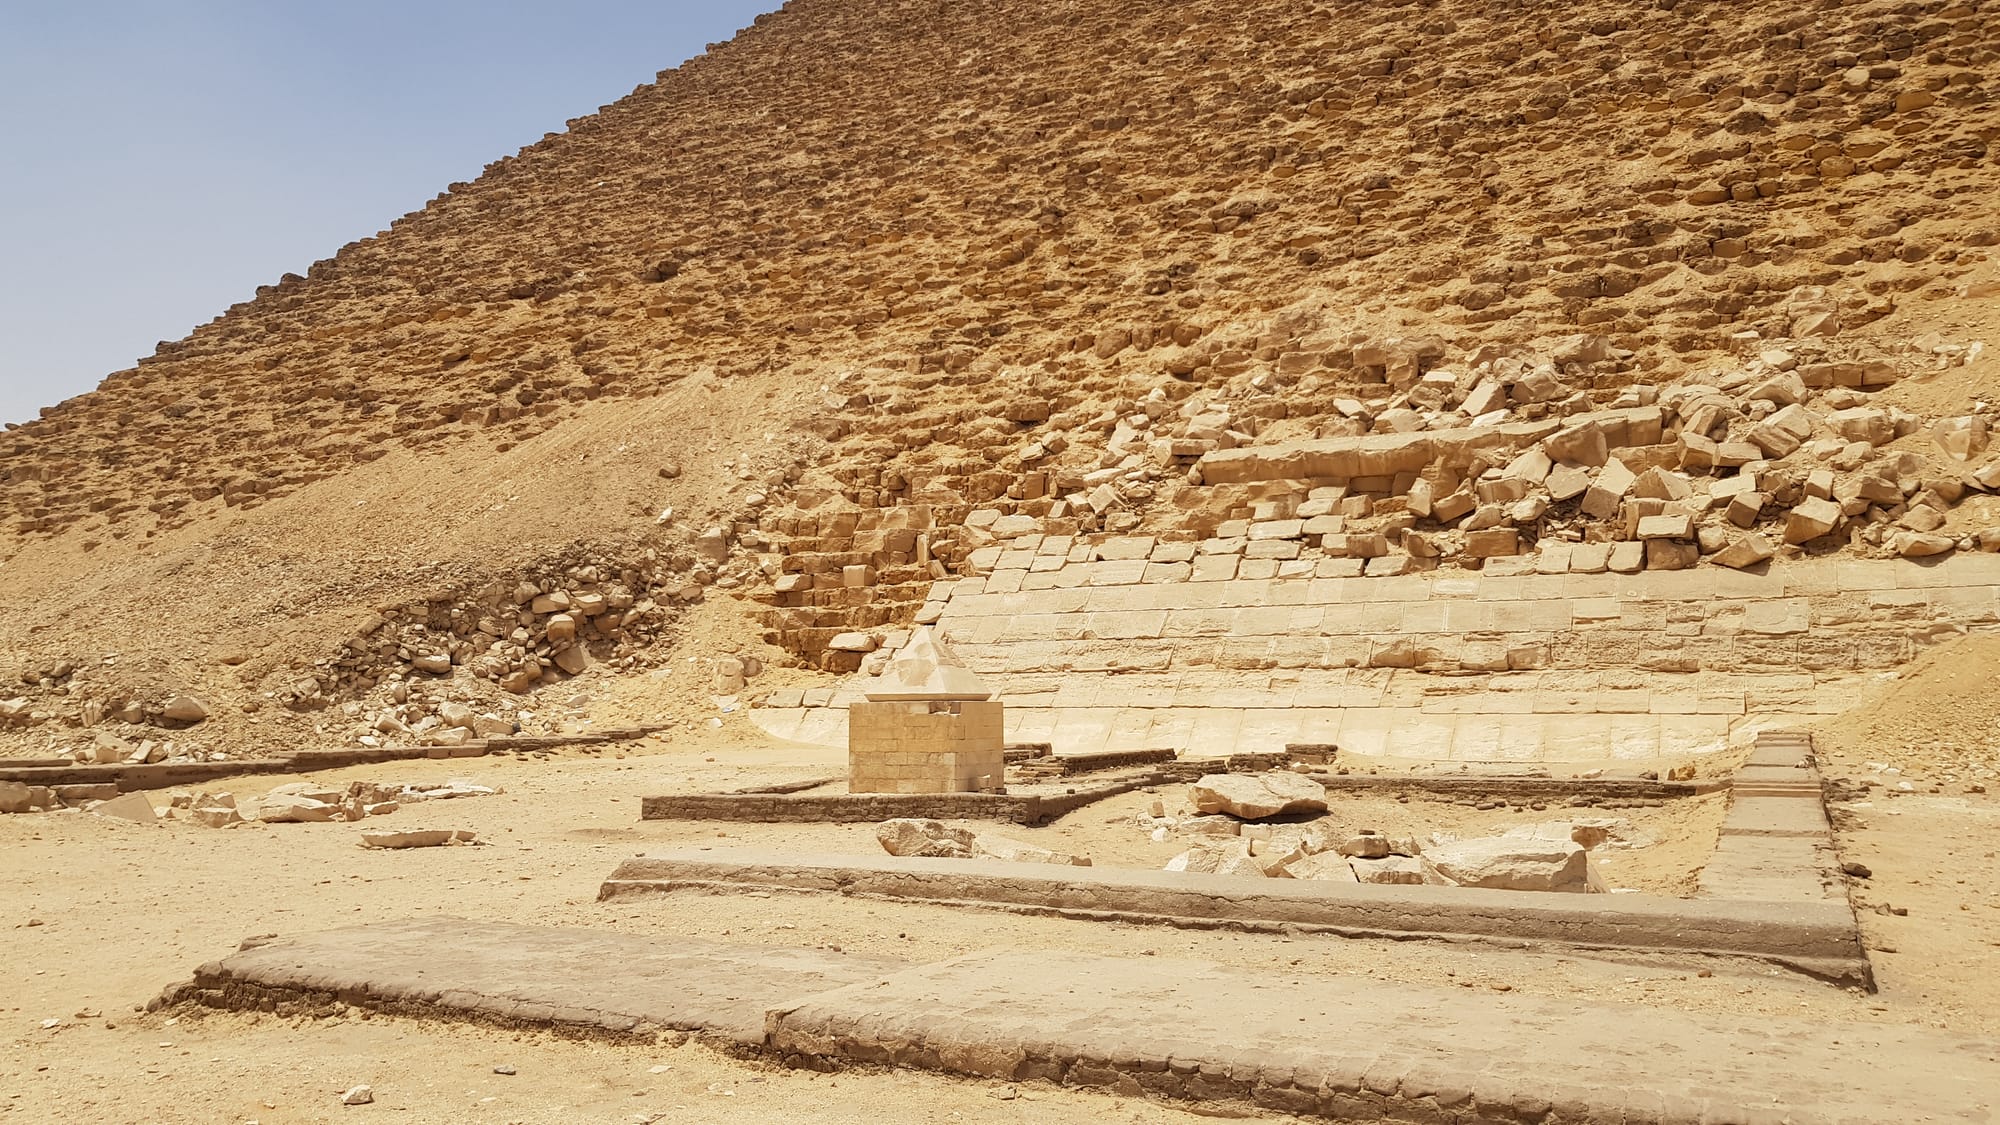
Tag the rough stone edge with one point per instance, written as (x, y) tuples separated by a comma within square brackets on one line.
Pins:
[(214, 987)]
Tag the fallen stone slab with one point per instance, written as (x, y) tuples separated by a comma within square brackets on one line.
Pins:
[(1333, 1046), (1364, 1050), (130, 806), (417, 838), (590, 980), (1816, 938), (1257, 796)]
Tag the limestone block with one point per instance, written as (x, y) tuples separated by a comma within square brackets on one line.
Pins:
[(1276, 529), (1493, 543), (1747, 551), (129, 806), (1511, 863), (1921, 544), (1273, 549), (1257, 796), (1746, 508), (1811, 519), (1961, 438), (1671, 554), (1774, 441), (1566, 482), (1784, 389), (928, 839), (1608, 490), (1863, 423), (1666, 527), (1589, 558), (1626, 558), (1582, 443), (417, 838)]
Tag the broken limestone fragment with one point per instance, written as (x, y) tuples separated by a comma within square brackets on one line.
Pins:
[(1511, 863), (129, 806), (1015, 851), (418, 838), (185, 709), (1257, 796), (1747, 551), (1225, 856), (928, 839)]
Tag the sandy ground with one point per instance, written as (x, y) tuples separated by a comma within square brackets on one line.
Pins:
[(99, 915)]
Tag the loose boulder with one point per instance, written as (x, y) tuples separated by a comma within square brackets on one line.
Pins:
[(1257, 796), (1225, 856), (1511, 863)]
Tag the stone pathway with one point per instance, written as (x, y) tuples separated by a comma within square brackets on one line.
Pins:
[(1334, 1047)]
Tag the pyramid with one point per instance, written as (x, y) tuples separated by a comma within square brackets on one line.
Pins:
[(925, 669)]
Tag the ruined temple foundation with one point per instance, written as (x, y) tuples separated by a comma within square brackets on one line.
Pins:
[(925, 746)]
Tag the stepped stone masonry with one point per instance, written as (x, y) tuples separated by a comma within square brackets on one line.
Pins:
[(928, 725)]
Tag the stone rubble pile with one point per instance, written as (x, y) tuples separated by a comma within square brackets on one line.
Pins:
[(1553, 856), (1513, 456), (933, 839), (307, 802)]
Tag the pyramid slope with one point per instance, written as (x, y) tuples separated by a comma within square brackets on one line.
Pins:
[(888, 264)]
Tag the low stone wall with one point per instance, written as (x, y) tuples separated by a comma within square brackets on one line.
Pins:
[(1819, 939), (1495, 792), (1070, 765), (847, 808), (168, 775)]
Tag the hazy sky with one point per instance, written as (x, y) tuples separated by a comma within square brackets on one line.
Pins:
[(163, 158)]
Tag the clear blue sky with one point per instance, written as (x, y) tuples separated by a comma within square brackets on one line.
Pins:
[(163, 158)]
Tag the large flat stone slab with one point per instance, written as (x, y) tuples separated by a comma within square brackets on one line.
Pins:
[(1366, 1050), (1817, 937), (1329, 1046), (589, 979)]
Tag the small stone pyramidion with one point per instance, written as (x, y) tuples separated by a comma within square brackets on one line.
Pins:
[(926, 669)]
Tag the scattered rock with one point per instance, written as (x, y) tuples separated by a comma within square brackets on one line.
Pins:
[(185, 709), (928, 839), (358, 1095), (417, 838), (130, 806)]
